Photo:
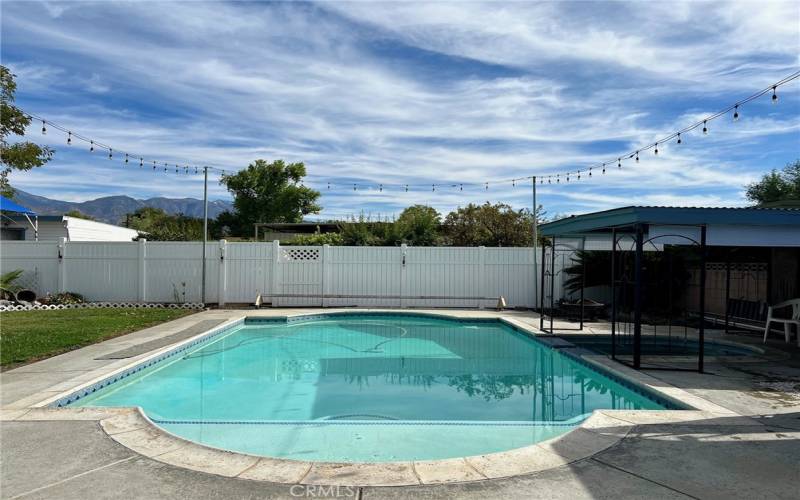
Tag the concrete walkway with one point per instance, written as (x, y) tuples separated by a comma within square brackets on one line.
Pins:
[(726, 457)]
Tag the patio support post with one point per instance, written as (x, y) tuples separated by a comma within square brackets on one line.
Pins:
[(541, 296), (552, 281), (613, 293), (583, 278), (701, 330), (637, 298), (727, 290)]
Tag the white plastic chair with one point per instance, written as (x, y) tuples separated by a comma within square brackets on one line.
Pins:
[(787, 322)]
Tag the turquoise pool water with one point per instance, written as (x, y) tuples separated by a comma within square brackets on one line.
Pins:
[(369, 388)]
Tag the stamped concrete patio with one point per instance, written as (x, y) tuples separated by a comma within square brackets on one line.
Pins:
[(749, 447)]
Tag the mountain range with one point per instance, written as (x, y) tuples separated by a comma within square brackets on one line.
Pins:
[(112, 209)]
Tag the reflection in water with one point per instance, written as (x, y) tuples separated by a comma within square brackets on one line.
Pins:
[(388, 369)]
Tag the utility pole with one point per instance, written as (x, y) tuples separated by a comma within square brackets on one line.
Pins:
[(535, 242), (205, 232)]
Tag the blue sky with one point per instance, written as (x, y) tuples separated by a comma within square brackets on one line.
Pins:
[(410, 93)]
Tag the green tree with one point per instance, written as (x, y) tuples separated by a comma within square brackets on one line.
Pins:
[(489, 225), (418, 225), (21, 155), (161, 226), (267, 192), (316, 239), (78, 215), (776, 186)]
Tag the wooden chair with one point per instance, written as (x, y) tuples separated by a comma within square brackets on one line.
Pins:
[(787, 322)]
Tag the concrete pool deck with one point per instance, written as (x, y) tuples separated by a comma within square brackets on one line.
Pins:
[(744, 443)]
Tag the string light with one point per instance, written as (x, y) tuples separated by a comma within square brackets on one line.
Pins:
[(329, 186), (461, 187), (635, 154)]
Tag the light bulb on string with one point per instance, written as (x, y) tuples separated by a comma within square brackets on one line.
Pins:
[(558, 179), (637, 157), (44, 128), (774, 94), (513, 183), (329, 186), (380, 188), (590, 171), (165, 166), (656, 150), (355, 188), (141, 162), (487, 186), (579, 175), (619, 162), (195, 170), (126, 158), (154, 164), (461, 187), (110, 154), (91, 146), (69, 138), (433, 188), (406, 188), (604, 168), (176, 169), (736, 113), (567, 177), (705, 128), (679, 137)]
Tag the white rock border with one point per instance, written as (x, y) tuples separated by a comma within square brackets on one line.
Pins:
[(102, 305)]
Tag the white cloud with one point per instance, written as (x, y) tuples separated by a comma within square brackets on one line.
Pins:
[(538, 88)]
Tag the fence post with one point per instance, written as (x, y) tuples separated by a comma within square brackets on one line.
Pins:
[(276, 254), (141, 295), (325, 278), (403, 253), (62, 266), (222, 282), (481, 275)]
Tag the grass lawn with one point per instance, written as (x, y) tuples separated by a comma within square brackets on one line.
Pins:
[(27, 336)]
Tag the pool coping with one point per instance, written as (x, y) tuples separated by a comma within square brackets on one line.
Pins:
[(603, 429)]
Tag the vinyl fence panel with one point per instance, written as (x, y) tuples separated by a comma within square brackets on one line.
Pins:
[(329, 276)]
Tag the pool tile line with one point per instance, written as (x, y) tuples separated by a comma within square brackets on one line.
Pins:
[(135, 367)]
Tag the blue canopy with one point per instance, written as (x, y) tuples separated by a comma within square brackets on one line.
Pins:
[(7, 205)]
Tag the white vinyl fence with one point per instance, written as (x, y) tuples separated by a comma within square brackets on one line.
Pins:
[(327, 276)]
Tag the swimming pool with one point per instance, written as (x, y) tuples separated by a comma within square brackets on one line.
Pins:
[(368, 388)]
